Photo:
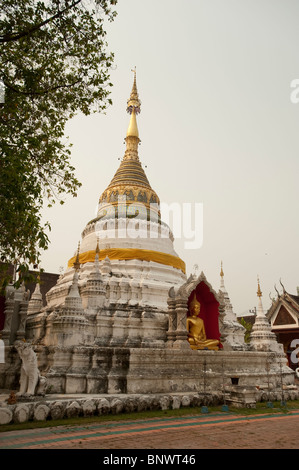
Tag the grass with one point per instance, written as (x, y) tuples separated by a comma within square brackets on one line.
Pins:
[(261, 408)]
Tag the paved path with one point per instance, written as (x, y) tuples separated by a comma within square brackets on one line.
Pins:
[(204, 431)]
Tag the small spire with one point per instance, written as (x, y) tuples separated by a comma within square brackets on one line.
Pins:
[(221, 272), (134, 103), (222, 286), (96, 259), (259, 292), (77, 261), (133, 108), (260, 309), (95, 273), (73, 299)]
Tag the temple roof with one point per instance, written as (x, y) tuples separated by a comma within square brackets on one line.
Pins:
[(295, 297), (130, 173), (290, 301)]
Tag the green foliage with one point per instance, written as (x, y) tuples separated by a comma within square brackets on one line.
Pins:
[(248, 328), (53, 64)]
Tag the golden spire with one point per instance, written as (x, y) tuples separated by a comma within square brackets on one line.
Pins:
[(134, 103), (259, 292), (221, 272), (133, 108), (130, 181), (133, 129)]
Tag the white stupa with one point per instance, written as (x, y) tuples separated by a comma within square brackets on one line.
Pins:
[(115, 322), (131, 237), (114, 292), (261, 337), (232, 329)]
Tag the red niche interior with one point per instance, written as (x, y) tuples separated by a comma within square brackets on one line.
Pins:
[(209, 310)]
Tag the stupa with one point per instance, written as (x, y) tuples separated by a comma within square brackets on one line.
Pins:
[(233, 330), (116, 321), (134, 244), (262, 338)]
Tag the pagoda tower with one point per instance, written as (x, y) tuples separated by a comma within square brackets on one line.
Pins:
[(262, 338), (232, 329), (131, 236), (115, 322), (115, 289)]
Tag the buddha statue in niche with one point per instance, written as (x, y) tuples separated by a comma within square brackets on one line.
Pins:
[(196, 329)]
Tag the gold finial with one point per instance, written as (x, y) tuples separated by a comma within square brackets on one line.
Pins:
[(133, 129), (259, 292), (221, 272), (134, 103), (77, 262), (133, 108)]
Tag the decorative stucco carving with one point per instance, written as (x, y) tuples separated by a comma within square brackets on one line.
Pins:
[(31, 382)]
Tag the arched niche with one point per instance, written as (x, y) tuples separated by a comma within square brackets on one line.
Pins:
[(178, 310), (209, 309)]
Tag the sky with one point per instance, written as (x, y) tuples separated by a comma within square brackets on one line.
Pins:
[(218, 128)]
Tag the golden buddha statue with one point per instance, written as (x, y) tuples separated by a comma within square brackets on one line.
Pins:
[(196, 329)]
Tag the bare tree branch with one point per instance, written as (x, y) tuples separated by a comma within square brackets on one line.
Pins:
[(41, 92), (17, 36)]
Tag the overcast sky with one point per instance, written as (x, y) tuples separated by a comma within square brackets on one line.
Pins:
[(217, 127)]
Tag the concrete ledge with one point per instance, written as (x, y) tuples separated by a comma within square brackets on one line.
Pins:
[(60, 406)]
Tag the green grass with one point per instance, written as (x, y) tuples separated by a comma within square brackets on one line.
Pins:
[(261, 408)]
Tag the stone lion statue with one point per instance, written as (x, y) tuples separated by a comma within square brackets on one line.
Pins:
[(31, 382)]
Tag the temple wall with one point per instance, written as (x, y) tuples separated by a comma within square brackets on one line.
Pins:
[(170, 370), (118, 326), (128, 370), (100, 370)]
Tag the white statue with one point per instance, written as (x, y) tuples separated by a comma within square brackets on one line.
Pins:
[(31, 382)]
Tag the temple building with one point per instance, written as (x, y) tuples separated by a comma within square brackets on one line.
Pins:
[(125, 318), (283, 316), (262, 338), (133, 242)]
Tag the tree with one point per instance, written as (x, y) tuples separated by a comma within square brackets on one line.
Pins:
[(53, 64)]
